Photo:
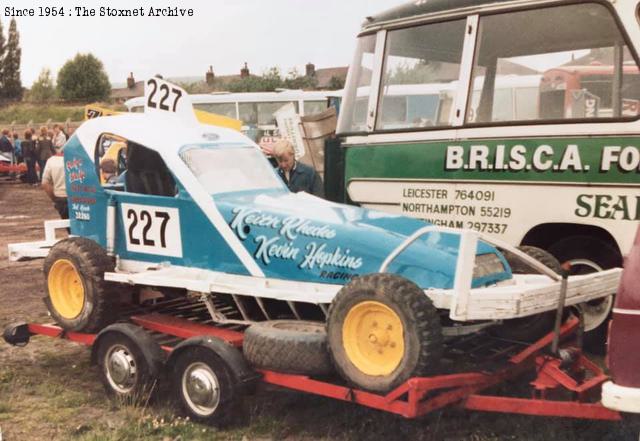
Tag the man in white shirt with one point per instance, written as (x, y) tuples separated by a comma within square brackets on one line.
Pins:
[(53, 183)]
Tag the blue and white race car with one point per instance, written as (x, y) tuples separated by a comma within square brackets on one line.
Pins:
[(197, 211)]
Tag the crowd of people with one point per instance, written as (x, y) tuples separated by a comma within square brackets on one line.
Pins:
[(41, 152), (34, 149)]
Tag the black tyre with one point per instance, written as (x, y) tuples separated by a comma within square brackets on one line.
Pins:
[(204, 386), (129, 365), (587, 255), (293, 346), (382, 330), (78, 297), (532, 328)]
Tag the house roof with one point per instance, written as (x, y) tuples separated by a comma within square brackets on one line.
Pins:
[(324, 75), (126, 92)]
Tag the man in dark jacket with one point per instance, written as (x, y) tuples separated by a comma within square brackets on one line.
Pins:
[(5, 142), (297, 176), (44, 149), (30, 157)]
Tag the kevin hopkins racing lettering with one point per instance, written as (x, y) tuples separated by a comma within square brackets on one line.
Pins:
[(300, 237)]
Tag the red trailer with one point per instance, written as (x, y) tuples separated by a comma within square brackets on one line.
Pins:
[(172, 343)]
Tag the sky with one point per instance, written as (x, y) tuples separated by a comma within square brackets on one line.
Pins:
[(221, 33)]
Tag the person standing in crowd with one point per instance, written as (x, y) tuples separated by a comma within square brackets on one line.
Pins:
[(44, 149), (17, 148), (53, 183), (59, 138), (297, 176), (5, 143), (30, 157)]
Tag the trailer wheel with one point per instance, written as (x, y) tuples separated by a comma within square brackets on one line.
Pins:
[(128, 371), (382, 330), (293, 346), (531, 328), (204, 386), (78, 297), (587, 255)]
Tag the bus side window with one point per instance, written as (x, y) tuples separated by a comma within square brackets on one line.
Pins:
[(354, 103), (420, 66), (574, 55)]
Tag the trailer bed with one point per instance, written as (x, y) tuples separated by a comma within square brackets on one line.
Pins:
[(476, 367)]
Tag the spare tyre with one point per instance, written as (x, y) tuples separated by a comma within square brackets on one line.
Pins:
[(78, 297), (383, 330), (291, 346)]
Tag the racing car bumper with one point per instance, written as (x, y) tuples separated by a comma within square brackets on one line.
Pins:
[(38, 249), (521, 296), (524, 295)]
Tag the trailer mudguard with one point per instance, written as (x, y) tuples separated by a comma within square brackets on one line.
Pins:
[(244, 375)]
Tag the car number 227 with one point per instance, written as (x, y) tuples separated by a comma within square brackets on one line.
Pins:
[(162, 95), (152, 230)]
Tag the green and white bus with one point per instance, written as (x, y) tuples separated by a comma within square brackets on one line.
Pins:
[(543, 164)]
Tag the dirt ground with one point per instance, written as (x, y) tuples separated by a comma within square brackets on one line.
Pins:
[(49, 391)]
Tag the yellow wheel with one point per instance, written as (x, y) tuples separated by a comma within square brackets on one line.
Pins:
[(382, 330), (373, 338), (66, 289), (78, 297)]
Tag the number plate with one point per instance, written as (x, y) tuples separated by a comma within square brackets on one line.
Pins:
[(152, 230)]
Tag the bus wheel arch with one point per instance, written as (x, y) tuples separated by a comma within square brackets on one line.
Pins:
[(556, 236)]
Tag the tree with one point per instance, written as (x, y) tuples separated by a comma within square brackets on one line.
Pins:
[(11, 83), (43, 89), (268, 82), (296, 81), (336, 83), (197, 87), (271, 79), (83, 79)]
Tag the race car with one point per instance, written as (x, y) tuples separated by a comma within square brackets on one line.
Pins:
[(199, 213)]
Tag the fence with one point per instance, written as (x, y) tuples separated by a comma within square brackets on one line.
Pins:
[(68, 126)]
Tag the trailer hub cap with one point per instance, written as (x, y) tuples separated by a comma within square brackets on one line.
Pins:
[(200, 388), (66, 289), (373, 338), (120, 369)]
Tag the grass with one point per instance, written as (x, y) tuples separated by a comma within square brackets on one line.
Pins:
[(139, 424), (22, 113)]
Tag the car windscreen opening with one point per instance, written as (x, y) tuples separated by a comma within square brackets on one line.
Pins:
[(224, 169)]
